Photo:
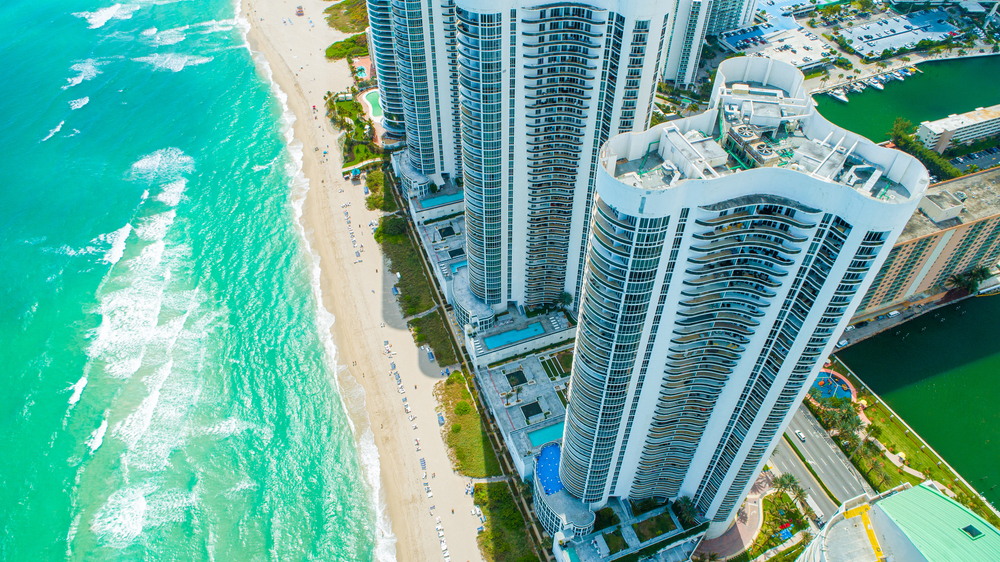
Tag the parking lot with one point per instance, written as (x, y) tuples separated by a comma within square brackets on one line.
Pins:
[(742, 39), (983, 159), (899, 32)]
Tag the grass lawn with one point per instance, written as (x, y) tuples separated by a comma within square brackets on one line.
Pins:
[(562, 397), (354, 46), (616, 542), (431, 330), (349, 16), (645, 506), (505, 538), (565, 361), (654, 527), (549, 370), (778, 512), (471, 449), (415, 293)]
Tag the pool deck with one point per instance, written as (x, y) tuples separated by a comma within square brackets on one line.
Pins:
[(505, 403), (369, 112)]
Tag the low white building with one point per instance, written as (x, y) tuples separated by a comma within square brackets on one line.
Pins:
[(960, 129)]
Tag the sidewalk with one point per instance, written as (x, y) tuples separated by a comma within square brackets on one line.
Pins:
[(748, 522)]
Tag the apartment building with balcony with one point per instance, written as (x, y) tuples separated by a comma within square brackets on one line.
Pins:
[(727, 251), (956, 229)]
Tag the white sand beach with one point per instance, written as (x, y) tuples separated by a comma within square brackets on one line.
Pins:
[(360, 298)]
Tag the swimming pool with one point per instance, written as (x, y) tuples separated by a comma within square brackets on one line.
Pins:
[(373, 100), (458, 265), (832, 387), (442, 200), (507, 338), (548, 468), (545, 435), (361, 72)]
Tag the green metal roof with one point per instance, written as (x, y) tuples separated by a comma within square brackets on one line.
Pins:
[(933, 522)]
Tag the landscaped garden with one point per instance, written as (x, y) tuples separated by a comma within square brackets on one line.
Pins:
[(615, 541), (605, 518), (654, 527), (782, 519), (558, 366), (469, 445), (349, 116), (505, 537)]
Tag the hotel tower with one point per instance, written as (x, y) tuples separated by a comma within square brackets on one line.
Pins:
[(514, 100), (727, 252)]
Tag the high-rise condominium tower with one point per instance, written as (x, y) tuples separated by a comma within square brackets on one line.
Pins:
[(727, 252), (730, 14), (516, 98)]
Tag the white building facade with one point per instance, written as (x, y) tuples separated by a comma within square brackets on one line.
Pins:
[(727, 251), (966, 128)]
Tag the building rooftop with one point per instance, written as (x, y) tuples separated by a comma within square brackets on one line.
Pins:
[(954, 122), (940, 528), (979, 196), (760, 126), (803, 49)]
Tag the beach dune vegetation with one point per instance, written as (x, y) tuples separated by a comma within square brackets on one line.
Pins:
[(354, 46), (504, 537), (349, 16), (470, 448)]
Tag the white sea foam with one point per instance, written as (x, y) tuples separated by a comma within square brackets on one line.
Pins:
[(53, 131), (149, 32), (165, 164), (77, 104), (73, 134), (172, 61), (385, 548), (172, 192), (213, 26), (155, 227), (78, 390), (117, 240), (128, 321), (120, 520), (104, 15), (85, 70), (132, 428), (97, 437)]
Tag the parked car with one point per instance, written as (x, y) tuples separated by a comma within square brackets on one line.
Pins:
[(842, 343)]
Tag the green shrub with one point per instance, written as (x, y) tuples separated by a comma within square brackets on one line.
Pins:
[(462, 408), (354, 46), (456, 427)]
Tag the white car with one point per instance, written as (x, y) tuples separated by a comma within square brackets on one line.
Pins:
[(842, 343), (800, 436)]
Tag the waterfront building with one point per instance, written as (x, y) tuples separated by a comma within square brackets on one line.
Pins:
[(956, 229), (727, 251), (542, 87), (381, 49), (916, 524), (961, 129)]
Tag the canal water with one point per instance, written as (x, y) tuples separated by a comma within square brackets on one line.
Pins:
[(941, 373), (944, 88)]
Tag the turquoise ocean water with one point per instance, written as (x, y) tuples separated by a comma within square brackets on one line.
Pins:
[(168, 390)]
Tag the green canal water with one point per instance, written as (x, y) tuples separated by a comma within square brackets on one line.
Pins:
[(941, 373), (944, 88)]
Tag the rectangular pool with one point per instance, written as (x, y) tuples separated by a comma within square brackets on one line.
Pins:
[(513, 336), (545, 435), (442, 200)]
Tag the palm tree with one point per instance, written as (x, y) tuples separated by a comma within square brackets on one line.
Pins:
[(785, 483), (878, 472), (799, 495), (873, 433), (685, 511)]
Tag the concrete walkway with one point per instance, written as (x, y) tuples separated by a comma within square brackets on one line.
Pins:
[(748, 522)]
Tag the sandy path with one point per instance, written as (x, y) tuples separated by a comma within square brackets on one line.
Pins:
[(359, 296)]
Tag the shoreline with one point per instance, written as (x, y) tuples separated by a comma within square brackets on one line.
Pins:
[(355, 303)]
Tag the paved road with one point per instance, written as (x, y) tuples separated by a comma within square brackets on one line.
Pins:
[(826, 458), (785, 460)]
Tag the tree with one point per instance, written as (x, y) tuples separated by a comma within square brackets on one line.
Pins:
[(866, 5), (785, 483), (831, 10), (799, 495), (900, 129), (565, 298), (684, 509)]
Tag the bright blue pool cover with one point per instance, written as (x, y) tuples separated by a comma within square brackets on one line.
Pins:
[(547, 468)]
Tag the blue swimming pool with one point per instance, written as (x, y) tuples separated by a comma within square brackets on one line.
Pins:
[(513, 336), (545, 435), (547, 468), (442, 200), (458, 265), (832, 387)]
